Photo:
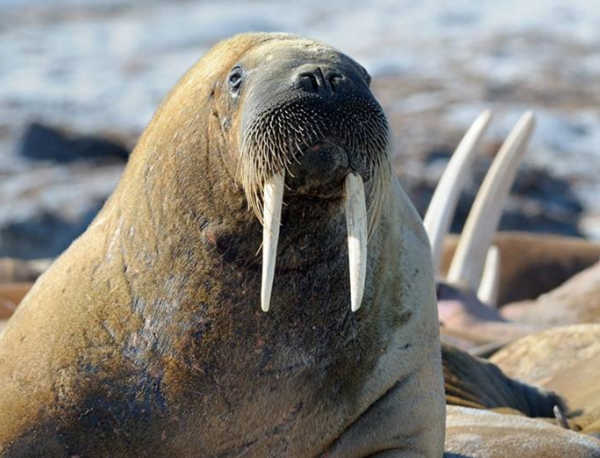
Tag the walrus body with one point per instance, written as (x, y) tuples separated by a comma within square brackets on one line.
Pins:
[(476, 433), (533, 264), (565, 360), (574, 302), (476, 383), (469, 324), (145, 337), (487, 410)]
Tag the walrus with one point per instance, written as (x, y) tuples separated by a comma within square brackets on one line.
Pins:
[(476, 433), (147, 338), (468, 323), (487, 410), (538, 358), (532, 264), (479, 271), (574, 302), (508, 266), (470, 282), (565, 360), (487, 413), (477, 383), (476, 261)]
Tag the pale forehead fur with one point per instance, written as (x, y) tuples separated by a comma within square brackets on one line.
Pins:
[(267, 44), (291, 42)]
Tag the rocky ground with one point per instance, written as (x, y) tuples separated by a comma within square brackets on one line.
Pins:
[(79, 81)]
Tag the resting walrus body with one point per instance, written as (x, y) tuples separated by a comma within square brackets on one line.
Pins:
[(476, 433), (146, 337)]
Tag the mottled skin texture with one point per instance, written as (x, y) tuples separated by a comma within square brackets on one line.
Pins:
[(533, 264), (558, 367), (475, 433), (565, 360), (575, 301), (468, 323), (146, 337), (538, 358)]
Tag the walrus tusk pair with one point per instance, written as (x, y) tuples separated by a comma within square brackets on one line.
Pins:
[(356, 220), (476, 263)]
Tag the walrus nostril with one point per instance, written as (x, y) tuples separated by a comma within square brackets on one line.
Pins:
[(318, 80), (334, 80), (308, 82)]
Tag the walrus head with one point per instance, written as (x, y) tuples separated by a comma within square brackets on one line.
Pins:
[(305, 120)]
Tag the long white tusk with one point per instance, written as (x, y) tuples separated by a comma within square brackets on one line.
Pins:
[(273, 201), (490, 280), (467, 265), (443, 203), (356, 220)]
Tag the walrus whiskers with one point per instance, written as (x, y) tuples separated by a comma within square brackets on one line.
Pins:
[(273, 201), (468, 261), (445, 198), (356, 219), (270, 144)]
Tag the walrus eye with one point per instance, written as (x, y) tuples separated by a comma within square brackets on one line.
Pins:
[(235, 78)]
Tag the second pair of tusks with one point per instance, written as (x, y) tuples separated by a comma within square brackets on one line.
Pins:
[(356, 220), (475, 257)]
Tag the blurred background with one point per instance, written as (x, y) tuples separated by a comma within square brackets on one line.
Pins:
[(79, 80)]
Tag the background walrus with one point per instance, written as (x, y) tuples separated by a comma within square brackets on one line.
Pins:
[(146, 337)]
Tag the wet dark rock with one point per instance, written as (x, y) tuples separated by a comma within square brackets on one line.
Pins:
[(41, 142), (45, 235), (45, 207)]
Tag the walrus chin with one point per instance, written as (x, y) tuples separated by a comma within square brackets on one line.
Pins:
[(321, 148)]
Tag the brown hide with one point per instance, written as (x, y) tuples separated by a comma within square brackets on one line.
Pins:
[(533, 264)]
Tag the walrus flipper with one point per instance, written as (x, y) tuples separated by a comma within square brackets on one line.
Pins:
[(474, 382)]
